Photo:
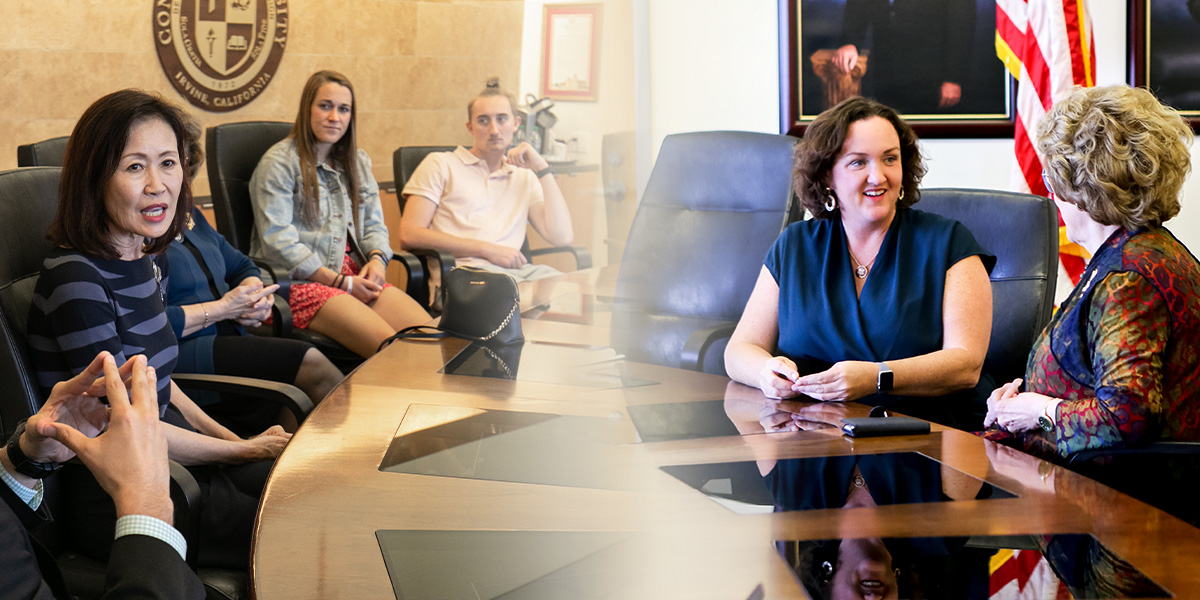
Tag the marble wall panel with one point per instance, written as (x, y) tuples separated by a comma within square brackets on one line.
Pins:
[(414, 64)]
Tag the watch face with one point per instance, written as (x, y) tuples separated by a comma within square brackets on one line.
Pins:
[(885, 381), (1045, 424)]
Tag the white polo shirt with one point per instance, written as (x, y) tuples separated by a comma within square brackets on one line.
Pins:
[(473, 202)]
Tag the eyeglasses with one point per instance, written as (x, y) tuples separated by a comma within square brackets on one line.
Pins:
[(1046, 180)]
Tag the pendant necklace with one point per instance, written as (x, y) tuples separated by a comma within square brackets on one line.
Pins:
[(861, 270), (162, 294)]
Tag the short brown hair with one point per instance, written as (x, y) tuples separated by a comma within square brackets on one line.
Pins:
[(822, 144), (492, 88), (1118, 154), (93, 153)]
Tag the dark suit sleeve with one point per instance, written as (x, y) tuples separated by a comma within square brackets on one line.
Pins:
[(20, 571), (146, 567), (960, 29), (140, 566), (855, 20)]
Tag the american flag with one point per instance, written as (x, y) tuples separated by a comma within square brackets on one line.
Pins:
[(1048, 48)]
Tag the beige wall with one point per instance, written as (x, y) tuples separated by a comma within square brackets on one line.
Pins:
[(414, 64)]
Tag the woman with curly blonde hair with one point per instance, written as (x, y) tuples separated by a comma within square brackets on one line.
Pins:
[(1119, 364)]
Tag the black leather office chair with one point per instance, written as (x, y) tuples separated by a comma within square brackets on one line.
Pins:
[(28, 199), (46, 153), (404, 162), (1022, 231), (234, 150), (714, 204)]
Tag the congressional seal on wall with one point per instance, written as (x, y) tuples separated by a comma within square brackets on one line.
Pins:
[(220, 54)]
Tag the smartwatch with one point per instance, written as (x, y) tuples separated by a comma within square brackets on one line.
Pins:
[(884, 383), (26, 467), (543, 172)]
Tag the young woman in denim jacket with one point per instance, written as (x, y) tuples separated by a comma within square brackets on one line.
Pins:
[(317, 217)]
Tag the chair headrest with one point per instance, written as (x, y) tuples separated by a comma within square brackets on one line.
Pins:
[(28, 200), (46, 153), (733, 171), (1018, 228)]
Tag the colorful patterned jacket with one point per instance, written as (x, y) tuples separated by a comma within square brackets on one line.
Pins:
[(1123, 351)]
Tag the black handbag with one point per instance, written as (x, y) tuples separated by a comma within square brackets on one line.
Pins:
[(481, 306), (477, 305)]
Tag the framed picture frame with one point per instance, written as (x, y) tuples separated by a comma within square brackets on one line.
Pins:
[(906, 57), (570, 51), (1163, 54)]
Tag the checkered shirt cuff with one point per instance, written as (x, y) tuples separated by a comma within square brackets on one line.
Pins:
[(32, 497), (155, 528)]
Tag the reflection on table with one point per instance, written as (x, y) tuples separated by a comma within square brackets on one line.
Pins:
[(498, 445), (563, 364), (435, 472)]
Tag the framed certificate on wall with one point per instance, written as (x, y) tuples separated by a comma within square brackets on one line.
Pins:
[(570, 51)]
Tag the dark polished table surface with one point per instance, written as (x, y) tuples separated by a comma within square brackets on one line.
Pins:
[(563, 471)]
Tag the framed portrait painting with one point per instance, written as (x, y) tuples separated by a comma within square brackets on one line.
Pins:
[(934, 61), (1164, 52)]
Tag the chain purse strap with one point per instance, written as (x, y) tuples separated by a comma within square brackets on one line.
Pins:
[(500, 361), (513, 311)]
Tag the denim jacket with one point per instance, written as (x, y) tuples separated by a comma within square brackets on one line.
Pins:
[(281, 234)]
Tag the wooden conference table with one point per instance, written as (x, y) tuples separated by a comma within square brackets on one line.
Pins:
[(585, 477)]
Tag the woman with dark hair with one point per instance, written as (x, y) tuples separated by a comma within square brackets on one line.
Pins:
[(870, 300), (317, 217), (123, 198), (1119, 363), (215, 293)]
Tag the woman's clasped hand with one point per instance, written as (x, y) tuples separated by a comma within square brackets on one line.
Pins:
[(844, 381)]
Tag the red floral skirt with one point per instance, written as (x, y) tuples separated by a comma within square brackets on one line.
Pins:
[(306, 299)]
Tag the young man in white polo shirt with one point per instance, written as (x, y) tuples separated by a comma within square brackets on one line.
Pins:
[(474, 203)]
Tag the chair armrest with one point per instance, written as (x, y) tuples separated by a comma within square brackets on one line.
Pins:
[(287, 396), (1150, 450), (698, 343), (416, 271), (281, 317), (269, 273), (446, 261), (583, 258), (185, 496)]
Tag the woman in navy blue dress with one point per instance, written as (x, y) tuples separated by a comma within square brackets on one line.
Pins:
[(870, 300)]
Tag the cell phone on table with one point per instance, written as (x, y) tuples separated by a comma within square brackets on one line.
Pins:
[(877, 426)]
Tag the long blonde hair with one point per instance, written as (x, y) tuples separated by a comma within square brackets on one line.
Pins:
[(343, 155)]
